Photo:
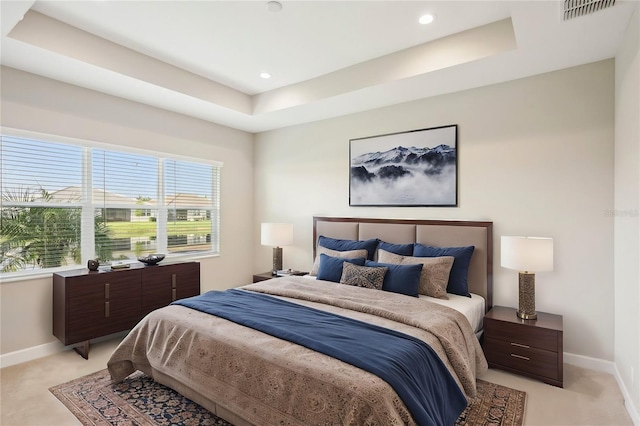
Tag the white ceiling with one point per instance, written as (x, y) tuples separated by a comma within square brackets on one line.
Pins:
[(326, 58)]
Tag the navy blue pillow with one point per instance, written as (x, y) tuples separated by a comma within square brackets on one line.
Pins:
[(330, 268), (401, 249), (458, 283), (345, 245), (403, 279)]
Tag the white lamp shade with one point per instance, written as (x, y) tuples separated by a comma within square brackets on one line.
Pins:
[(276, 234), (531, 254)]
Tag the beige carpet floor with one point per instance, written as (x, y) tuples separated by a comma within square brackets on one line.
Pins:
[(589, 397)]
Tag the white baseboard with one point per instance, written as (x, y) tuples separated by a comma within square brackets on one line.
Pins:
[(606, 367), (29, 354), (590, 363)]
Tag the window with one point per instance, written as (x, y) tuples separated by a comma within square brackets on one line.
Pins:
[(63, 204)]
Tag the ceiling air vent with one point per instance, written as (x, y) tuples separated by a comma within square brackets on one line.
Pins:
[(575, 8)]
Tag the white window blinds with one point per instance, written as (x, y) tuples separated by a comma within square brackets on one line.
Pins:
[(64, 204), (41, 204), (192, 206), (124, 198)]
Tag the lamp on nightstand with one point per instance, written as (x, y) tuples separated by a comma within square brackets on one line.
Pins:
[(527, 255), (276, 235)]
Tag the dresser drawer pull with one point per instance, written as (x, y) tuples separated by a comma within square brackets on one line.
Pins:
[(520, 345), (106, 309), (173, 280), (520, 357), (106, 290), (173, 294)]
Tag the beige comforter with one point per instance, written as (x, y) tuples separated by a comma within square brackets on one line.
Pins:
[(249, 377)]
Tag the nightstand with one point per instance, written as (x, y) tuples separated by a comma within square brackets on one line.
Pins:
[(532, 348), (263, 276)]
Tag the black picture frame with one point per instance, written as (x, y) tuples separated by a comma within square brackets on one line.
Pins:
[(415, 168)]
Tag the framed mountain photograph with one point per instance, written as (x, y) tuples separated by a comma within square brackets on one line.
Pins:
[(412, 168)]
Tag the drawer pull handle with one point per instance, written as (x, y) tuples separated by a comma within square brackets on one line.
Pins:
[(106, 309), (520, 345), (173, 280), (173, 294), (520, 357), (106, 290)]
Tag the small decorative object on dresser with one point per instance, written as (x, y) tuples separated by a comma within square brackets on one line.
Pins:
[(93, 265), (152, 259), (531, 348)]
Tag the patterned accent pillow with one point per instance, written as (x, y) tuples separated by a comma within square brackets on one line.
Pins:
[(363, 276), (435, 271), (350, 254)]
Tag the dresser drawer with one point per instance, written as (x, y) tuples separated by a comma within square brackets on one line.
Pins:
[(530, 360), (534, 337)]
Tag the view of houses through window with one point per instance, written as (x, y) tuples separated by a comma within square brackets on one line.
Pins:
[(63, 204)]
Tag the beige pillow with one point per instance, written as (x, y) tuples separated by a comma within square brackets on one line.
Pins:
[(350, 254), (435, 271)]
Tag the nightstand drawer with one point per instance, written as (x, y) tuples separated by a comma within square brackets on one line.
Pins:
[(531, 360), (535, 337)]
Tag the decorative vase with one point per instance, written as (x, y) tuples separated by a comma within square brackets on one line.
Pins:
[(93, 264)]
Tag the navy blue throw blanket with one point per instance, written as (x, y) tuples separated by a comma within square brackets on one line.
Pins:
[(406, 363)]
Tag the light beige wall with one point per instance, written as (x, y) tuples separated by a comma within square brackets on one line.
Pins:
[(535, 157), (627, 212), (41, 105)]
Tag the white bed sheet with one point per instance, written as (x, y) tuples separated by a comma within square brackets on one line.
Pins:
[(471, 307)]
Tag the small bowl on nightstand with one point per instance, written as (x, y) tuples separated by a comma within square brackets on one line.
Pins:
[(152, 259)]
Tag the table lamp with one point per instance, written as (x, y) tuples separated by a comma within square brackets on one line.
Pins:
[(276, 235), (527, 255)]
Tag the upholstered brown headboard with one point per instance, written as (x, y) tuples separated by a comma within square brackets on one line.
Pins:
[(438, 233)]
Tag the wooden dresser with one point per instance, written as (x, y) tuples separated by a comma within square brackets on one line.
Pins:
[(89, 304), (531, 348)]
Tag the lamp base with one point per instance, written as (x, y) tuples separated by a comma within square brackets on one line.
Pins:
[(277, 260), (527, 296), (526, 316)]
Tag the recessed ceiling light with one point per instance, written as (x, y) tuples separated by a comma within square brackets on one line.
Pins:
[(274, 6), (265, 75), (427, 19)]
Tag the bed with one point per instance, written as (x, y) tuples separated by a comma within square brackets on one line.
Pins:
[(250, 377)]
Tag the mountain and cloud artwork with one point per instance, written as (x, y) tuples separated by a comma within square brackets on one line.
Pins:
[(414, 168)]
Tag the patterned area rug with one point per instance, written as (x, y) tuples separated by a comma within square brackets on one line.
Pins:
[(138, 400)]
